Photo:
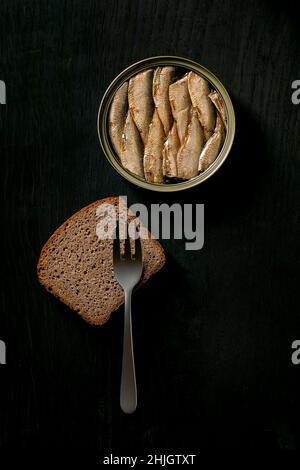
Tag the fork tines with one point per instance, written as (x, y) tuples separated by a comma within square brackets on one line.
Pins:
[(122, 246)]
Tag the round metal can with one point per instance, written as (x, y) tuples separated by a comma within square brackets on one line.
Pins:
[(102, 121)]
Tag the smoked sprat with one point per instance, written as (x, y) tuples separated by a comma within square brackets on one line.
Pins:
[(167, 125)]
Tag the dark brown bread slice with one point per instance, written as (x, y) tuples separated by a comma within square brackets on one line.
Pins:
[(76, 267)]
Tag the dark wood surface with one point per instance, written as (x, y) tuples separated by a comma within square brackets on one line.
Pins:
[(213, 330)]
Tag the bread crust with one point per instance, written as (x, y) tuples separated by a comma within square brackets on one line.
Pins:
[(44, 280)]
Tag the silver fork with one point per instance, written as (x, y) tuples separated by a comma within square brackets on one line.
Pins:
[(128, 270)]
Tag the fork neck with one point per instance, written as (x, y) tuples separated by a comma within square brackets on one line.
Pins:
[(128, 294)]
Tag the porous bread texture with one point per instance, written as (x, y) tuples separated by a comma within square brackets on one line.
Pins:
[(77, 267)]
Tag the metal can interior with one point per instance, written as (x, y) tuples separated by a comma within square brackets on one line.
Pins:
[(102, 121)]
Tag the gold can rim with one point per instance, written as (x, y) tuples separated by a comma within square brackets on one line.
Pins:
[(129, 72)]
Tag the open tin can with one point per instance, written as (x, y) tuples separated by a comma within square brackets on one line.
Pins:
[(182, 63)]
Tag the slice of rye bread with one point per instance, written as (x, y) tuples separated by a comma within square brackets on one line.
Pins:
[(77, 267)]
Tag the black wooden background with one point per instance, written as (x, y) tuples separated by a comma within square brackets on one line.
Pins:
[(213, 330)]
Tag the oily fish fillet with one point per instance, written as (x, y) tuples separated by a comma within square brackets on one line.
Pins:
[(199, 90), (188, 155), (131, 155), (180, 105), (162, 79), (117, 117), (219, 104), (170, 151), (153, 159), (213, 146), (140, 101)]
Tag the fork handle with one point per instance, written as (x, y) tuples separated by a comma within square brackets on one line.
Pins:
[(128, 394)]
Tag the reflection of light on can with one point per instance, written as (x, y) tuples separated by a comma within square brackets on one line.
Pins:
[(188, 65), (2, 92)]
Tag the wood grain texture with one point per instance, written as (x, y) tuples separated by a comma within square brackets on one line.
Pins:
[(213, 356)]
